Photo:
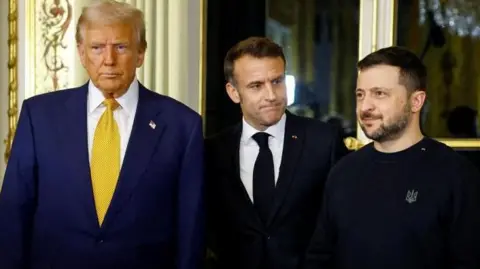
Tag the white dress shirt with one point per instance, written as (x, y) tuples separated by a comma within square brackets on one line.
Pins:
[(249, 151), (124, 114)]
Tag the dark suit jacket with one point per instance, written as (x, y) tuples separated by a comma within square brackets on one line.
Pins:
[(237, 236), (47, 212)]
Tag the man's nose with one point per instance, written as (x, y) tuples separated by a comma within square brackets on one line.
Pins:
[(110, 55), (366, 104), (271, 94)]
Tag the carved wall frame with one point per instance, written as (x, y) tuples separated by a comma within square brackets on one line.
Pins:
[(12, 111)]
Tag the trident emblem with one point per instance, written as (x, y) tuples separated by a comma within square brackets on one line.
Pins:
[(411, 196)]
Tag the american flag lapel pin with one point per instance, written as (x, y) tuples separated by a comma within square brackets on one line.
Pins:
[(152, 125), (294, 137)]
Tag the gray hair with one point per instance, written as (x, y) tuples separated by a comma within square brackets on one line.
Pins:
[(112, 12)]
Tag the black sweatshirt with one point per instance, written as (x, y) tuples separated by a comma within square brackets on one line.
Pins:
[(418, 208)]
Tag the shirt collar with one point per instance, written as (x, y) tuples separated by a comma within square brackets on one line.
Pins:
[(277, 130), (128, 101)]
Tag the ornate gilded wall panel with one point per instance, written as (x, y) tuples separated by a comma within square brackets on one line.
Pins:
[(42, 52), (50, 45)]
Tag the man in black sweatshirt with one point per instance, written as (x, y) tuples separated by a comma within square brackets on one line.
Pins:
[(404, 201)]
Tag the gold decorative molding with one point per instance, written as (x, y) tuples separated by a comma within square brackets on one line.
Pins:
[(352, 143), (202, 61), (12, 75), (462, 144)]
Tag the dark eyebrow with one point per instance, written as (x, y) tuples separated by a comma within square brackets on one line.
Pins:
[(373, 89), (256, 82), (282, 76), (379, 88)]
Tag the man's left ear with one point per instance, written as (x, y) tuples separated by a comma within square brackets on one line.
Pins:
[(417, 100)]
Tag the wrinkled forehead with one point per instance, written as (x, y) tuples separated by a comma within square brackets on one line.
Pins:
[(109, 32), (248, 68), (382, 76)]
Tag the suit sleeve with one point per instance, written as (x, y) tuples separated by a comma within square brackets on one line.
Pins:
[(214, 226), (464, 235), (18, 197), (339, 150), (191, 212)]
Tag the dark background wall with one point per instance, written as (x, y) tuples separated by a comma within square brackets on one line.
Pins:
[(228, 21)]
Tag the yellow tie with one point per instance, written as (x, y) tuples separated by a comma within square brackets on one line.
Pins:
[(105, 160)]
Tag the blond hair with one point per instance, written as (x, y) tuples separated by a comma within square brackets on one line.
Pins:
[(112, 12)]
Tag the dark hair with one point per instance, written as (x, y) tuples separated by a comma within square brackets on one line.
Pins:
[(413, 73), (258, 47)]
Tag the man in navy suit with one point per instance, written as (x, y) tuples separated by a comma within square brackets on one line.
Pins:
[(107, 175)]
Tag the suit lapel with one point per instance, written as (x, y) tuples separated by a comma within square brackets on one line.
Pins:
[(292, 149), (141, 146), (74, 139)]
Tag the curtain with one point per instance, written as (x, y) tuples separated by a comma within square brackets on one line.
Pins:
[(172, 59)]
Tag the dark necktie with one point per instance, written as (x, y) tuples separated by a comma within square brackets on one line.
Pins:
[(263, 177)]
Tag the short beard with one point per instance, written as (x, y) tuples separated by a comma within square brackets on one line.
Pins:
[(391, 131)]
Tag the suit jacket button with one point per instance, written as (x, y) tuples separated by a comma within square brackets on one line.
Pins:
[(100, 241)]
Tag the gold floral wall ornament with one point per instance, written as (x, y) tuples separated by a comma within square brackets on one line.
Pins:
[(55, 18)]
